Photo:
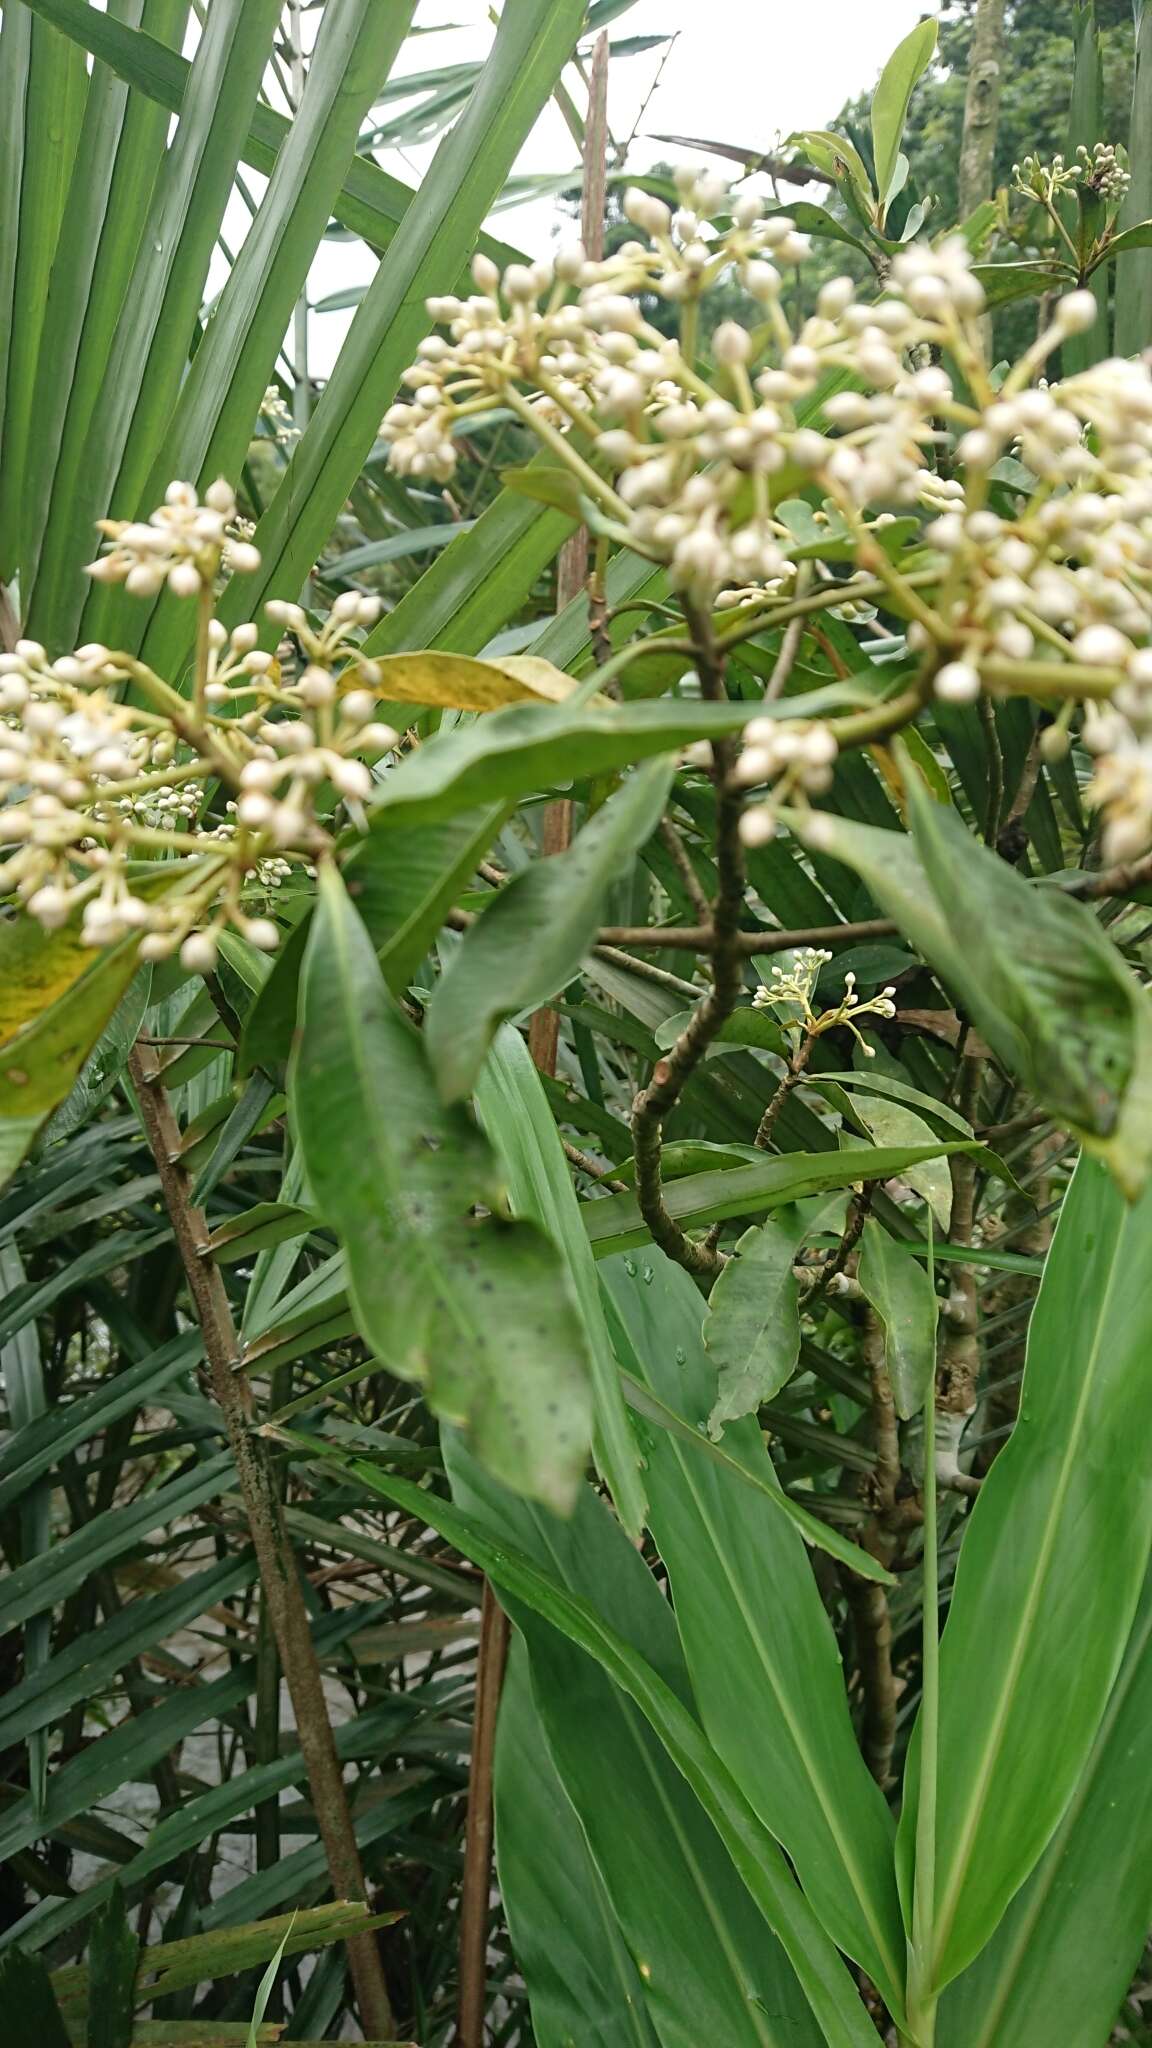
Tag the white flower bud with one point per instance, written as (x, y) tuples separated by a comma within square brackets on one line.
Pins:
[(244, 639), (221, 497), (761, 281), (184, 579), (1101, 646), (198, 953), (486, 278), (379, 737), (243, 558), (757, 826), (352, 779), (731, 344), (262, 933), (1076, 313), (958, 682), (258, 663), (255, 809), (291, 615)]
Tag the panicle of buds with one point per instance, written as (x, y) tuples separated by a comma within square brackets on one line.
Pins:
[(792, 986), (237, 782)]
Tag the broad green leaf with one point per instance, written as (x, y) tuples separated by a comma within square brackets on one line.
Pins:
[(34, 2019), (547, 486), (1036, 975), (746, 1026), (476, 1311), (817, 1534), (752, 1322), (1069, 1944), (395, 547), (614, 1224), (56, 998), (533, 746), (900, 1091), (583, 1984), (827, 1986), (891, 1123), (899, 1289), (1084, 210), (175, 1964), (1005, 282), (907, 64), (839, 157), (15, 61), (1027, 1659), (404, 886), (816, 220), (761, 1654), (429, 251), (515, 1114), (528, 945), (113, 1958)]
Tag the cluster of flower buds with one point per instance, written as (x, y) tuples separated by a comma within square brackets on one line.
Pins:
[(689, 469), (795, 756), (182, 545), (792, 986), (235, 783), (1103, 170)]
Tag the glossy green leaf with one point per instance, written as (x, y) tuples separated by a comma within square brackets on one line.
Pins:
[(1028, 1659), (907, 64), (583, 1984), (1035, 973), (1132, 315), (893, 1123), (859, 1079), (899, 1289), (516, 1117), (427, 255), (761, 1654), (615, 1224), (752, 1323), (403, 885), (528, 945), (827, 1986), (1069, 1944), (477, 1311), (533, 746), (745, 1026), (15, 61)]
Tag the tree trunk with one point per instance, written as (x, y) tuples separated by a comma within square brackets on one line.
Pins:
[(982, 105)]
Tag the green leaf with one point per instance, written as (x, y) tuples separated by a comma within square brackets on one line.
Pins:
[(746, 1026), (763, 1660), (265, 1987), (113, 1958), (547, 486), (528, 945), (430, 249), (253, 1230), (614, 1224), (817, 1534), (830, 1991), (1029, 1655), (890, 1123), (61, 1431), (583, 1984), (476, 1311), (55, 84), (1005, 282), (533, 746), (752, 1322), (901, 1293), (56, 998), (1132, 318), (907, 64), (940, 1113), (1033, 970), (1070, 1943), (515, 1114), (29, 2001)]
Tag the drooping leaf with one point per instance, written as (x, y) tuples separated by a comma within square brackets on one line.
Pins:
[(898, 1287), (893, 1123), (474, 1309), (113, 1959), (1027, 1660), (530, 943), (1036, 975), (752, 1325)]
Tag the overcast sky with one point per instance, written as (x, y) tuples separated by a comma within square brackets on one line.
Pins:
[(743, 71)]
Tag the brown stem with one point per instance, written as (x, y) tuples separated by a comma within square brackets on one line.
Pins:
[(279, 1579), (959, 1367), (490, 1663), (682, 861), (1114, 881), (644, 968), (586, 1164), (868, 1602), (791, 1080), (858, 1209), (701, 938), (653, 1103)]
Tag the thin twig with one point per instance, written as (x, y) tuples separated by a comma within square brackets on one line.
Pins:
[(792, 1079), (682, 861), (647, 972), (279, 1578), (701, 938), (790, 644), (474, 1896), (586, 1164)]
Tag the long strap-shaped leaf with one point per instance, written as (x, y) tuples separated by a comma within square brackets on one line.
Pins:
[(121, 146), (1069, 1945), (438, 233), (55, 84), (1050, 1571), (149, 354), (763, 1659), (356, 47), (15, 56), (827, 1985)]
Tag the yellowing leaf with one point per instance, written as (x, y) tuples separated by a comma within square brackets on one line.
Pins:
[(455, 682)]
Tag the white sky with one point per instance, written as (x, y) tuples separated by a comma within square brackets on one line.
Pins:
[(745, 71)]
